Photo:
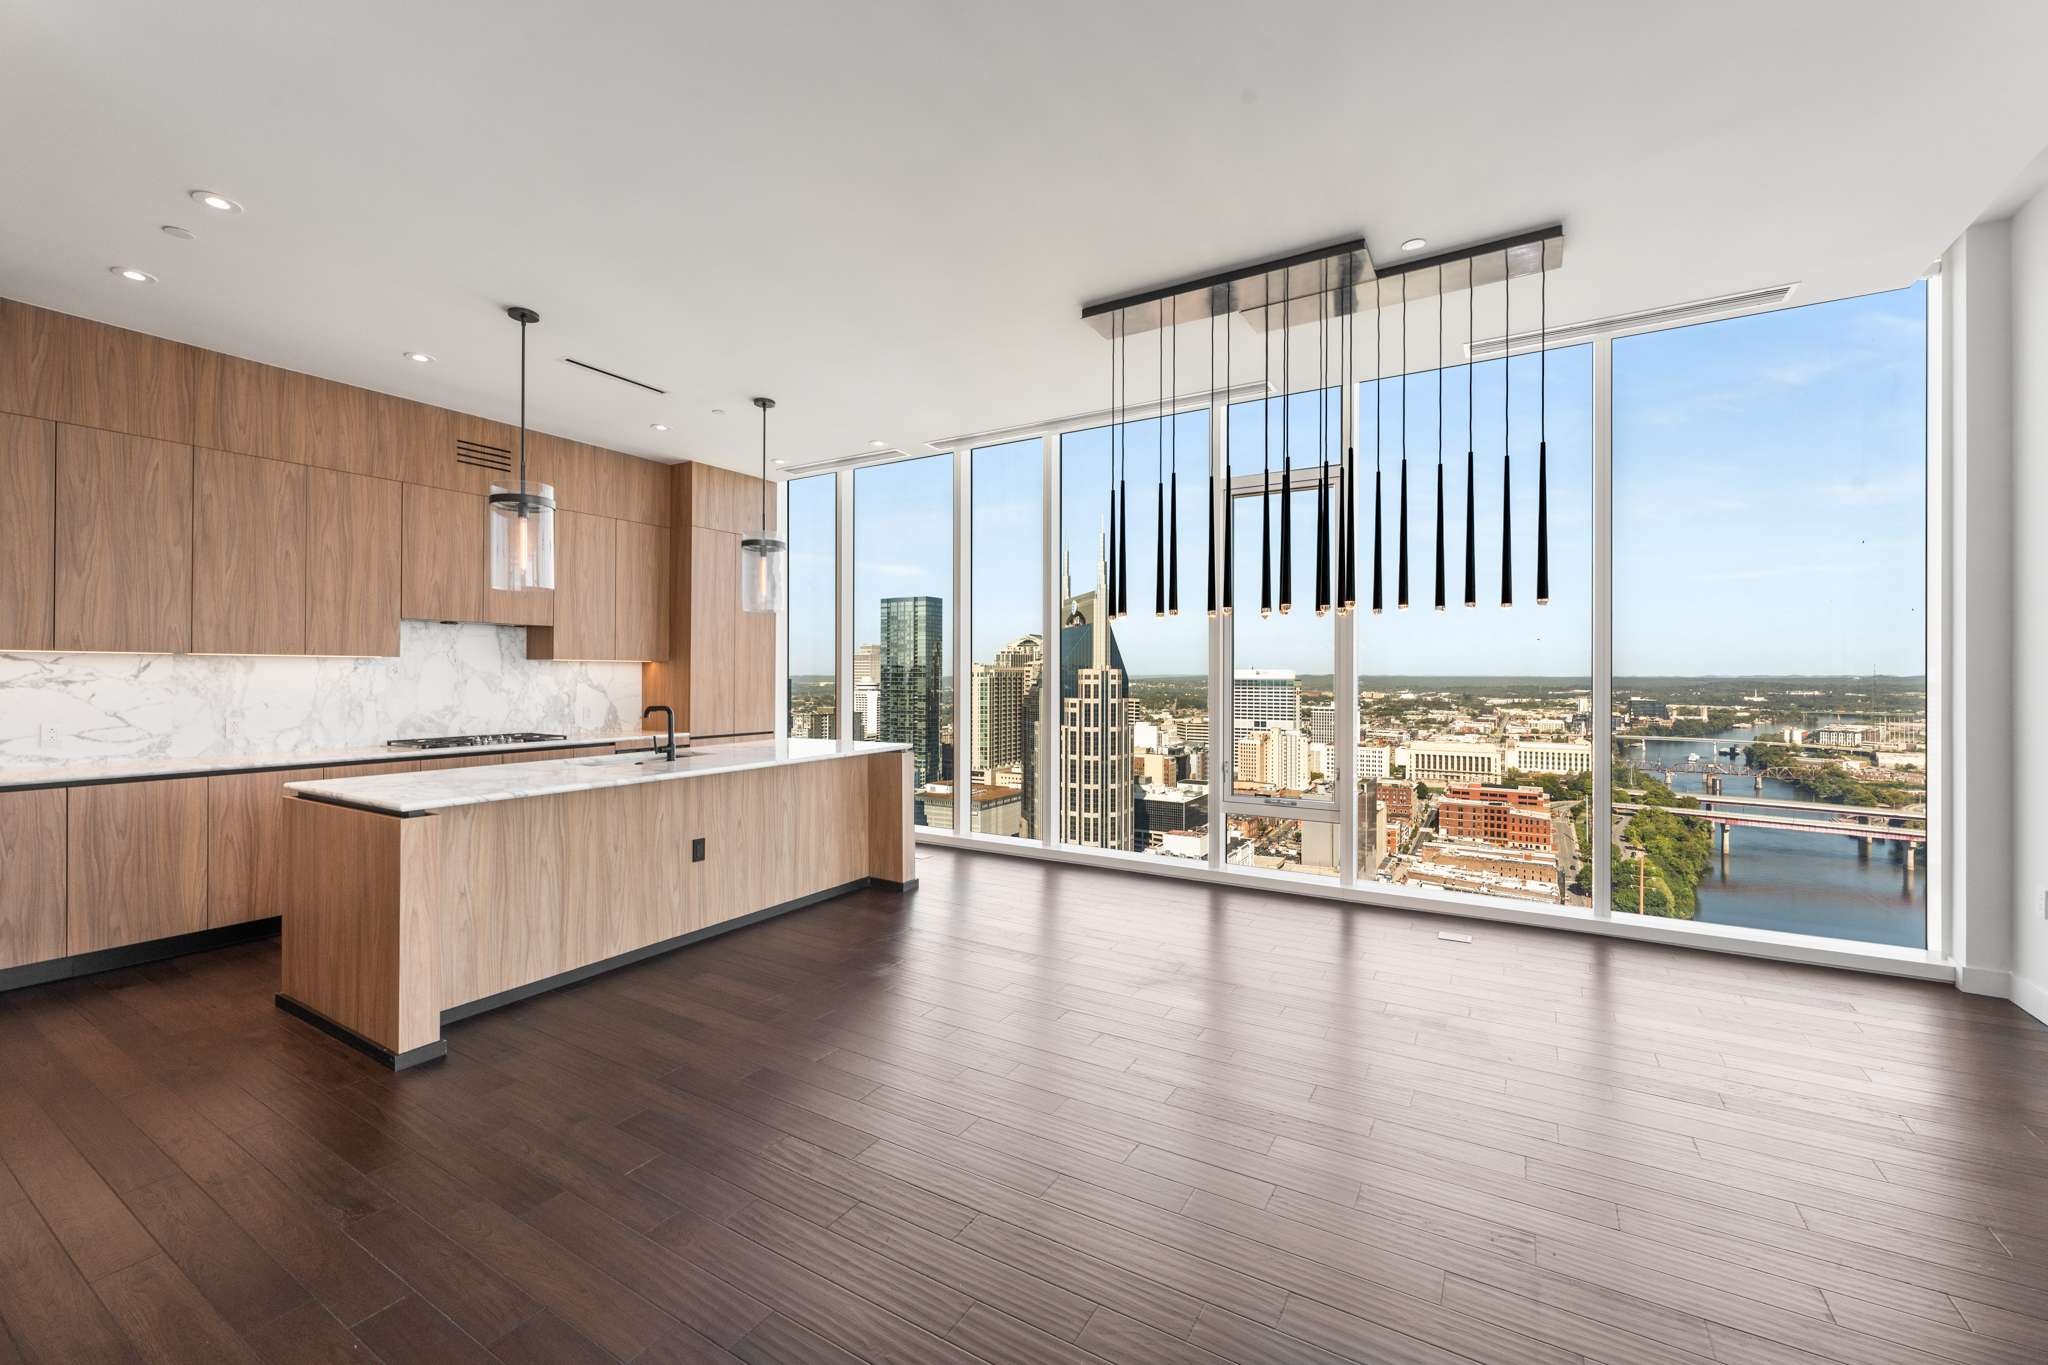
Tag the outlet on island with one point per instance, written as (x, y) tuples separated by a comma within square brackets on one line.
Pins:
[(697, 850)]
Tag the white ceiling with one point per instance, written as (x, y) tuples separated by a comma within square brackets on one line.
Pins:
[(887, 216)]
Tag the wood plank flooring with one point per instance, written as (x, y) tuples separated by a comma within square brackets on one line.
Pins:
[(1040, 1114)]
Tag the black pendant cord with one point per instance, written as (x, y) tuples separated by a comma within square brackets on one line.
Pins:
[(1211, 518), (1229, 503), (1507, 450), (522, 418), (1173, 489), (1122, 605), (1323, 446), (1347, 565), (1286, 454), (1106, 589), (1266, 453), (1439, 601), (1401, 554), (1159, 481), (1471, 509), (1378, 386), (1543, 431)]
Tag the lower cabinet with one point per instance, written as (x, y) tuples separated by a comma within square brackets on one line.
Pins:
[(136, 863), (31, 876), (248, 875)]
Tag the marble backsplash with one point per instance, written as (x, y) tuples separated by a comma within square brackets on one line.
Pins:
[(447, 679)]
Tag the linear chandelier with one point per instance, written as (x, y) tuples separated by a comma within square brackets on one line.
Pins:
[(1340, 282)]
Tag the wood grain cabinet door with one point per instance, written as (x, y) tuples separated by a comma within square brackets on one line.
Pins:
[(641, 596), (586, 559), (352, 564), (248, 555), (248, 875), (136, 859), (124, 543), (31, 876), (443, 550), (28, 493), (714, 630)]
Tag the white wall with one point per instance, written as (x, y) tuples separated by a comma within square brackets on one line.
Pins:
[(447, 679), (2029, 240)]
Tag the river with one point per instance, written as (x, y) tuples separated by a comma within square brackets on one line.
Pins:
[(1798, 883)]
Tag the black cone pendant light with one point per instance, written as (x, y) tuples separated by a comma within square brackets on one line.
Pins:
[(1286, 454), (1322, 448), (1507, 456), (1543, 432), (1471, 510), (1159, 480), (1173, 487), (1401, 554), (1108, 585), (1266, 463), (1347, 550), (1378, 386), (1210, 520), (1122, 605), (1229, 503), (1439, 600)]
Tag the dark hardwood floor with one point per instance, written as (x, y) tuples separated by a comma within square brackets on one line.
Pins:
[(1041, 1114)]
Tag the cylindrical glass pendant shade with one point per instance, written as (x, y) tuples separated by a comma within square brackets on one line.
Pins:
[(762, 564), (522, 538)]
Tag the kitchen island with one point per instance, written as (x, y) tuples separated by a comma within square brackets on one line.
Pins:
[(422, 898)]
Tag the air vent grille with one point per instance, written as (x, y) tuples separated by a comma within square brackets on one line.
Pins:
[(477, 455), (1666, 316), (612, 374)]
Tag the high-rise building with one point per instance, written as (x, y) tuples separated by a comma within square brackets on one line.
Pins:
[(913, 669), (1272, 760), (867, 666), (1264, 697), (867, 712), (1096, 786), (1322, 722), (999, 692)]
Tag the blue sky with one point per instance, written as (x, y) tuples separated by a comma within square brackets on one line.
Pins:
[(1769, 487)]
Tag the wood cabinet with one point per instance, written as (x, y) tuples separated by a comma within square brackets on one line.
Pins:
[(248, 872), (136, 863), (753, 669), (714, 612), (352, 564), (586, 557), (442, 573), (248, 555), (68, 369), (640, 597), (28, 492), (31, 876), (412, 441), (123, 543)]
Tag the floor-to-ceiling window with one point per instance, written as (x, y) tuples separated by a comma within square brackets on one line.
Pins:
[(1133, 747), (1001, 776), (1474, 764), (812, 643), (1770, 646), (902, 593)]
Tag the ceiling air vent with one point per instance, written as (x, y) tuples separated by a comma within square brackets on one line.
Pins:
[(477, 455), (1748, 301), (611, 374)]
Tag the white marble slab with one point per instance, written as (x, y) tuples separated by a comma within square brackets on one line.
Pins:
[(119, 769), (419, 793), (60, 709)]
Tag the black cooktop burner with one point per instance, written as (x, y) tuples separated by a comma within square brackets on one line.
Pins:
[(469, 741)]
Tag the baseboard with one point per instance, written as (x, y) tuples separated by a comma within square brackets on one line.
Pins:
[(1991, 981), (397, 1061), (134, 954), (2030, 996)]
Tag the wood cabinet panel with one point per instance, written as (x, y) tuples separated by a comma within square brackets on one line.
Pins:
[(643, 491), (753, 670), (248, 555), (248, 873), (640, 607), (443, 573), (726, 500), (136, 862), (31, 876), (124, 543), (338, 434), (415, 443), (353, 571), (28, 545), (586, 556), (714, 612), (235, 402), (69, 369), (404, 765)]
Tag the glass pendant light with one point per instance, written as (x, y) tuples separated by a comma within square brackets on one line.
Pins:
[(522, 536), (762, 557)]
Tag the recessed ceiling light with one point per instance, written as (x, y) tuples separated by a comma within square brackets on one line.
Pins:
[(879, 445), (173, 230), (1415, 244), (419, 357), (782, 462), (718, 412), (131, 274), (659, 426), (216, 201)]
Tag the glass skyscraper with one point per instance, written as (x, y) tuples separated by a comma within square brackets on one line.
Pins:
[(913, 670)]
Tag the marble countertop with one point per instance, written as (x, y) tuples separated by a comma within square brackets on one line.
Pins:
[(84, 771), (421, 793)]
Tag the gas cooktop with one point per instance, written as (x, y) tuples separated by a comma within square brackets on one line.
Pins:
[(469, 741)]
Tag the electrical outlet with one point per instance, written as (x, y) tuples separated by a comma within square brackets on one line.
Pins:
[(48, 737), (696, 850)]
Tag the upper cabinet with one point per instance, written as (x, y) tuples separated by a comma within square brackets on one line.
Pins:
[(68, 369), (28, 490), (123, 561), (640, 596), (248, 555), (443, 571), (586, 560), (353, 564)]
